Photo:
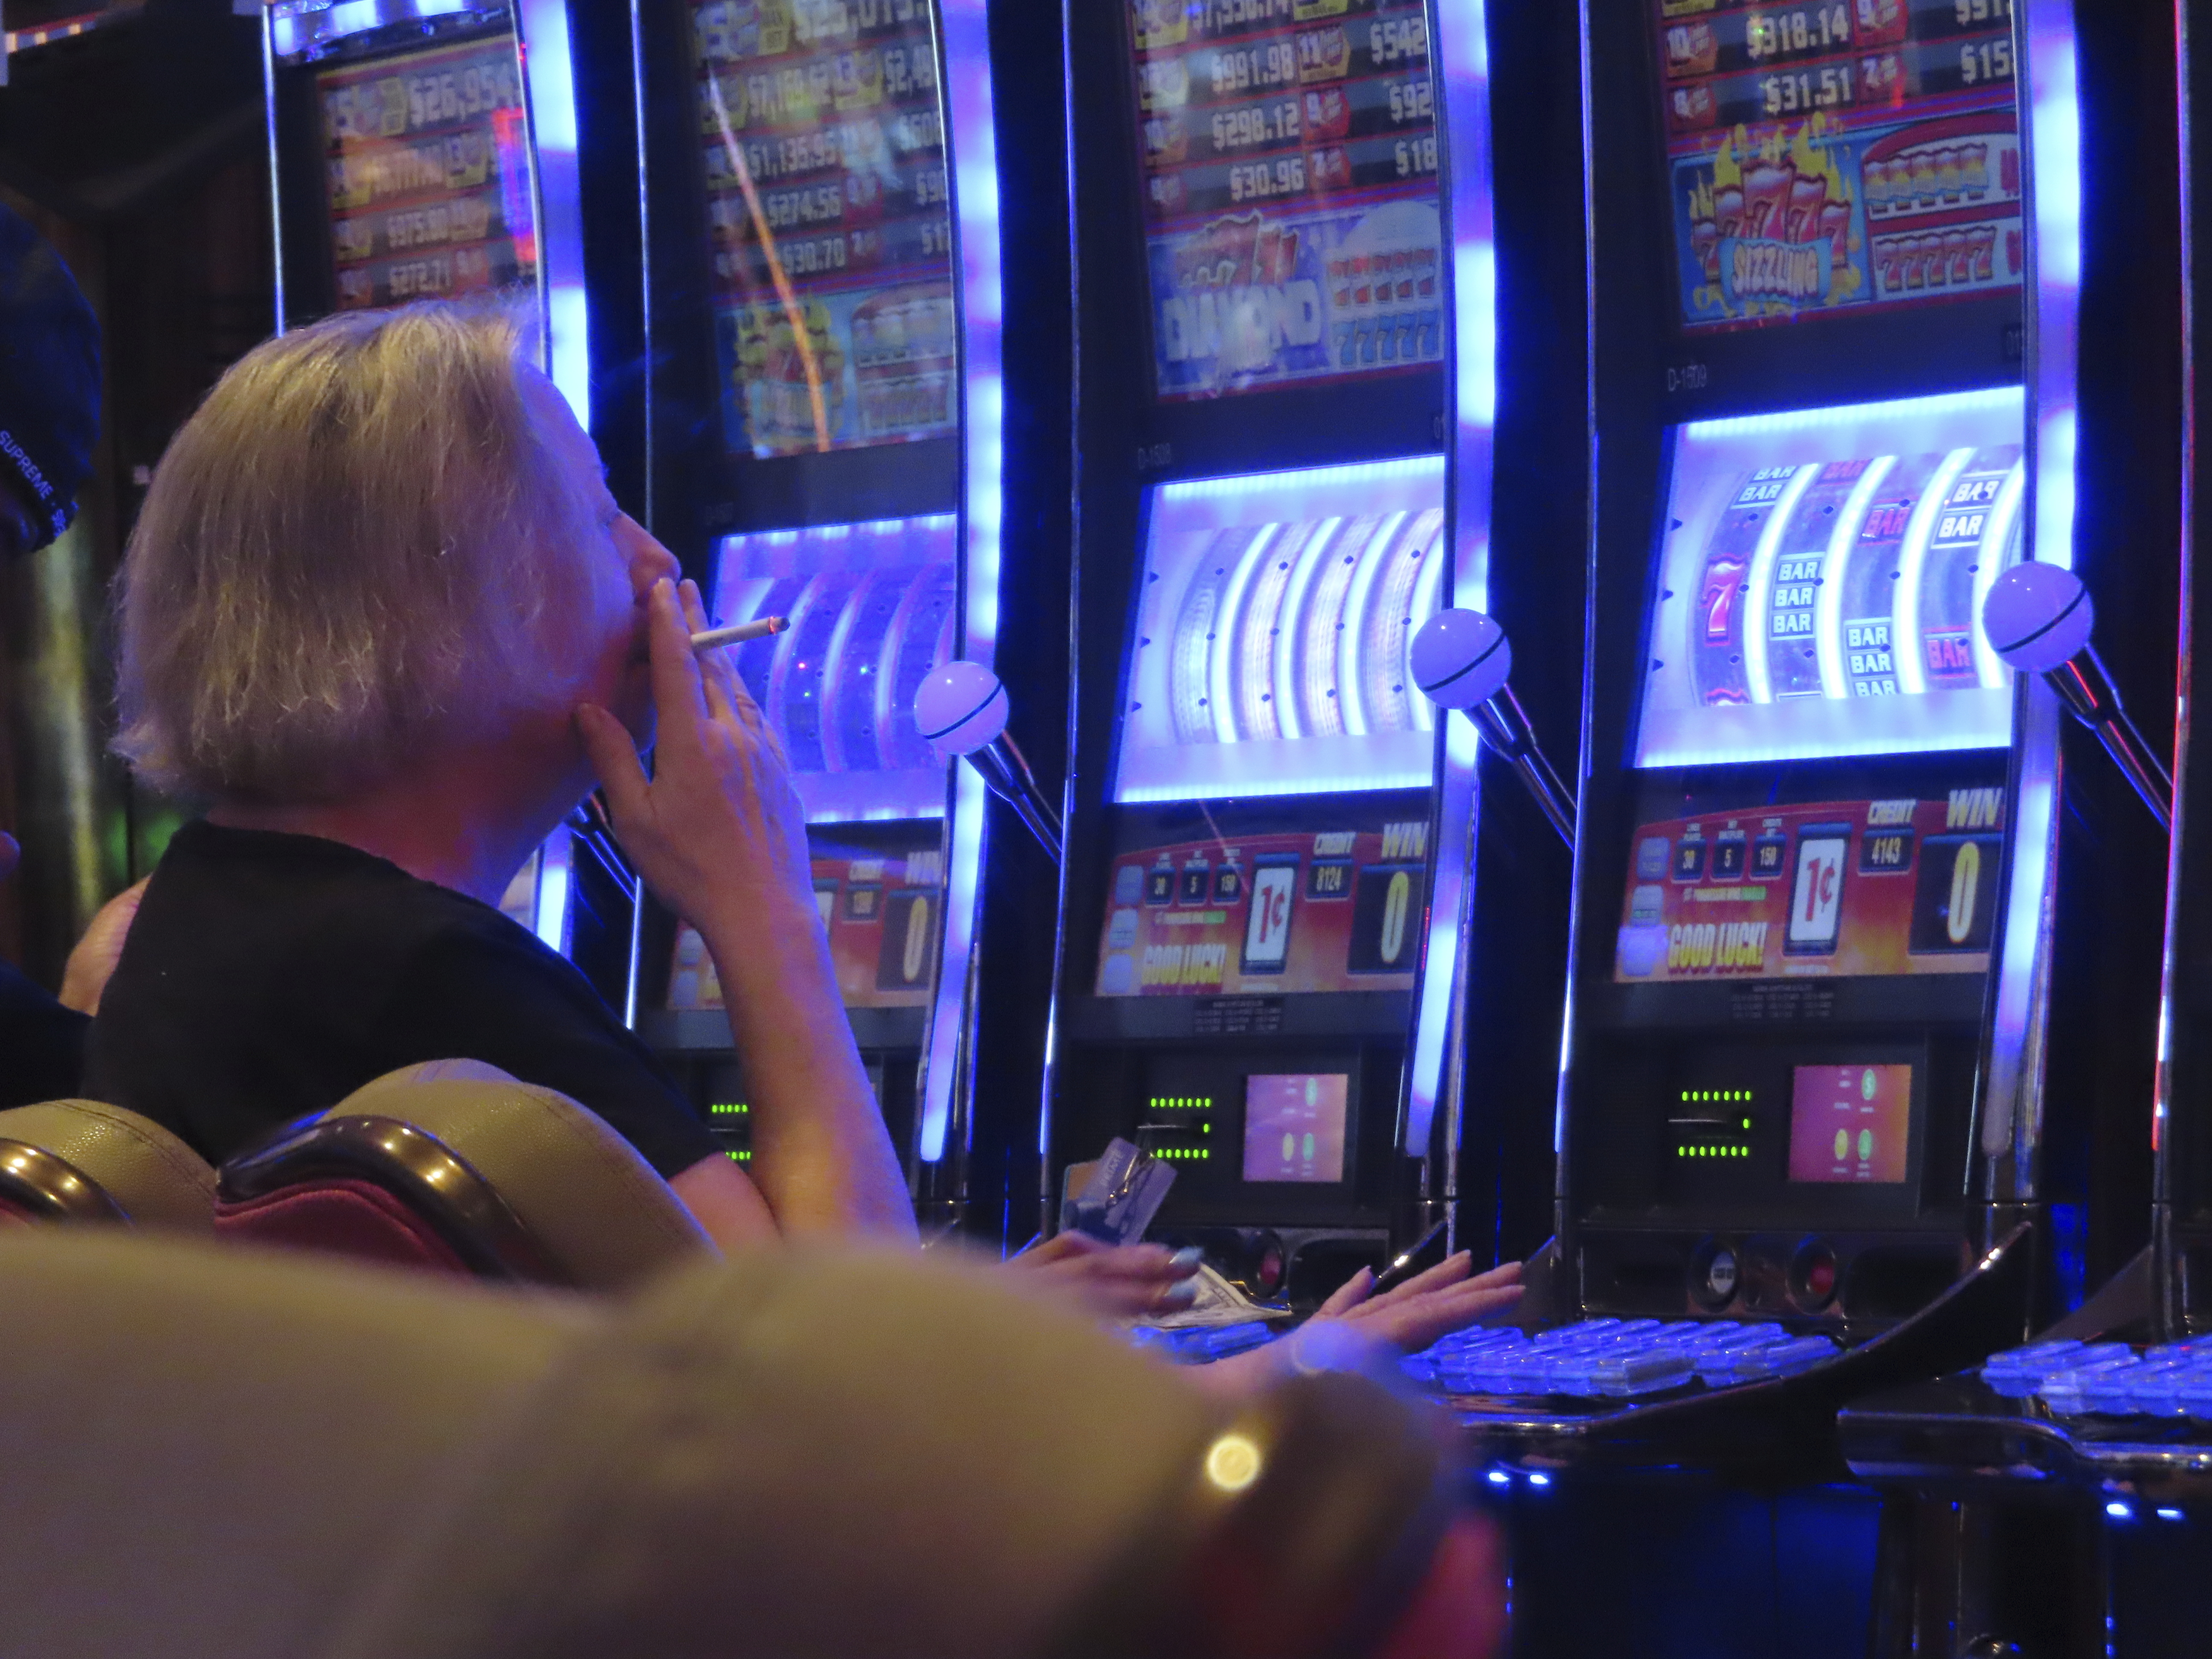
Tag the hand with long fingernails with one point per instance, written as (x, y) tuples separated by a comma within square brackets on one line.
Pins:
[(1119, 1281), (1448, 1296)]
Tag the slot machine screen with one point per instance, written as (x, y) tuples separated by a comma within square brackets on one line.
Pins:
[(1288, 159), (1294, 1126), (828, 208), (1821, 580), (1269, 652), (1833, 156), (428, 162), (1849, 1124), (872, 608)]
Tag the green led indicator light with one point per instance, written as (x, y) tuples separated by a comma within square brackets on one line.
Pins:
[(741, 1157), (737, 1109)]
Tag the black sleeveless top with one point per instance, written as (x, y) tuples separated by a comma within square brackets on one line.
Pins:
[(270, 976)]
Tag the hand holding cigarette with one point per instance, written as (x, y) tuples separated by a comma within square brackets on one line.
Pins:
[(738, 633)]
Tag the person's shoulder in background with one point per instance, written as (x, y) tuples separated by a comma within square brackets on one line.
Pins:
[(49, 389), (41, 1042)]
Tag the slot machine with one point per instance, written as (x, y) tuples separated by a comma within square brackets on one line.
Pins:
[(2061, 1486), (829, 448), (1802, 1115), (433, 148), (1286, 347)]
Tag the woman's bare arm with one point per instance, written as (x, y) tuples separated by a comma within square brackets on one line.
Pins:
[(728, 1205)]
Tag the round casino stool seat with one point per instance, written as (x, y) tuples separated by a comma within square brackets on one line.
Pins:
[(796, 1453), (455, 1167), (78, 1160)]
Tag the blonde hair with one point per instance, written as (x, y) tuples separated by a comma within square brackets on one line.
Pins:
[(359, 547)]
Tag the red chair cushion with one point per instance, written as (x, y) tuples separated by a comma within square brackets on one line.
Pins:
[(339, 1217)]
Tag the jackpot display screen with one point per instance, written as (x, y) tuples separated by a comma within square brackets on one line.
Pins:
[(1849, 1124), (1835, 155), (828, 208), (871, 608), (1821, 582), (1288, 160), (1268, 656), (427, 161)]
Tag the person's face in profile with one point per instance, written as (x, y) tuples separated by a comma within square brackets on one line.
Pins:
[(625, 562)]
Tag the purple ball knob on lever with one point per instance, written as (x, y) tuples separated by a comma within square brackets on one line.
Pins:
[(1461, 659), (2036, 616), (2039, 618), (961, 709)]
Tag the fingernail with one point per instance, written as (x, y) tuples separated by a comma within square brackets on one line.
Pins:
[(1186, 1258), (1179, 1296)]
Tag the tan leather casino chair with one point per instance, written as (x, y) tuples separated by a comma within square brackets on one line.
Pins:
[(78, 1160), (455, 1167), (797, 1453)]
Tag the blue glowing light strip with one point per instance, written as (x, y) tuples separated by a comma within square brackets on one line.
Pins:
[(549, 915), (2053, 128), (547, 73), (965, 43), (1284, 486), (2012, 1083), (1462, 33), (1895, 410), (549, 82), (2054, 178)]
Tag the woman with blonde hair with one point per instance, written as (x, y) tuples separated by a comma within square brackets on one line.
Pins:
[(381, 614)]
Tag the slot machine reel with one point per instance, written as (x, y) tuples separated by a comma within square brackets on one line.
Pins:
[(962, 709), (2039, 618), (1461, 659)]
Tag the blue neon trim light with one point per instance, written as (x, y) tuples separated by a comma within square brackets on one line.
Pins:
[(549, 74), (1464, 116), (550, 918), (2054, 181), (1842, 696), (964, 36)]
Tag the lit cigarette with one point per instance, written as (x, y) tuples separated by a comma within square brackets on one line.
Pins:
[(738, 633)]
